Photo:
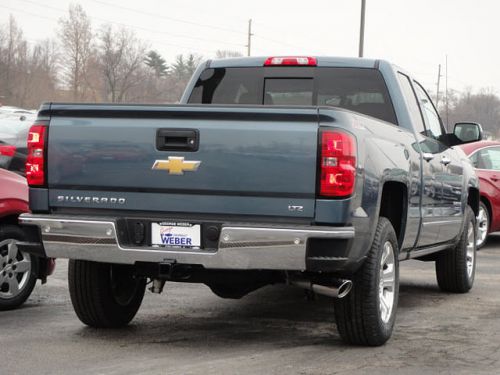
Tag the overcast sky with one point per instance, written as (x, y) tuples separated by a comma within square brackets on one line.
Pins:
[(416, 35)]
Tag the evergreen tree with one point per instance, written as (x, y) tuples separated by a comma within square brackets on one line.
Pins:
[(157, 63), (183, 68)]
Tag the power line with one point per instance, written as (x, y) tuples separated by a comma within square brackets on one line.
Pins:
[(275, 31), (156, 31), (276, 41), (196, 49), (29, 13), (138, 27), (170, 18), (190, 22)]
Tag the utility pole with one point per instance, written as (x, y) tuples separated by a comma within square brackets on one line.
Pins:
[(437, 90), (249, 45), (446, 95), (362, 28)]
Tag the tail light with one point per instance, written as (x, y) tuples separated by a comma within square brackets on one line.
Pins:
[(35, 162), (7, 150), (291, 61), (337, 164)]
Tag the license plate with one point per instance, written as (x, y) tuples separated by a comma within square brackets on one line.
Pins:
[(176, 235)]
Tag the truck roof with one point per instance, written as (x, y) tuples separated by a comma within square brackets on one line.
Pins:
[(322, 61)]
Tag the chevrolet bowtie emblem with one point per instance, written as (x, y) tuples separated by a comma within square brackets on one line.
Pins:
[(176, 165)]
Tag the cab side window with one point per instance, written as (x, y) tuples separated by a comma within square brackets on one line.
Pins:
[(433, 128), (429, 113), (412, 102)]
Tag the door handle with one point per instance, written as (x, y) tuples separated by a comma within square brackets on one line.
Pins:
[(177, 140), (445, 160), (494, 178), (427, 156)]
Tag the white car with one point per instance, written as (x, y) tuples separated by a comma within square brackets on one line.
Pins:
[(9, 111)]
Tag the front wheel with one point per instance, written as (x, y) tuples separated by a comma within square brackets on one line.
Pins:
[(104, 295), (456, 268), (367, 314)]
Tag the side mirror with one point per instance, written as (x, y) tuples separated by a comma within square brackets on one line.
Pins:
[(467, 132)]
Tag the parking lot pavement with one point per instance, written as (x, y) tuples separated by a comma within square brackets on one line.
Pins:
[(188, 330)]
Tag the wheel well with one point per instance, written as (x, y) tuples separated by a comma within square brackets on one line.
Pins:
[(9, 220), (473, 200), (394, 206)]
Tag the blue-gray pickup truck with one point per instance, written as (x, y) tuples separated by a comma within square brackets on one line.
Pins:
[(320, 172)]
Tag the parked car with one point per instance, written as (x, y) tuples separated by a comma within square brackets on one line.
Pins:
[(9, 110), (19, 270), (485, 156), (13, 135)]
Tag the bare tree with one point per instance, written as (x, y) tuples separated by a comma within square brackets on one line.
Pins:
[(121, 57), (482, 107), (13, 49), (223, 54), (42, 73), (28, 73), (76, 38)]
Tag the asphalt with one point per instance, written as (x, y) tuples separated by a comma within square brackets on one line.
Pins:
[(276, 330)]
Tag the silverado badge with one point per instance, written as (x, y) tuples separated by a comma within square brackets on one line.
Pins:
[(176, 165)]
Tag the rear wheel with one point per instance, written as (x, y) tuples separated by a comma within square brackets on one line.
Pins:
[(367, 314), (483, 225), (456, 268), (104, 295), (18, 270)]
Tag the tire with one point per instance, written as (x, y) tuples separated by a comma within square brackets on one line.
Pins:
[(483, 225), (18, 270), (360, 316), (456, 268), (104, 295)]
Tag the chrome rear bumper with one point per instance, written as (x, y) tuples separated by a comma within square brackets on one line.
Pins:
[(240, 247)]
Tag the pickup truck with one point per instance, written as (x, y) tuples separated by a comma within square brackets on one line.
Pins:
[(320, 172)]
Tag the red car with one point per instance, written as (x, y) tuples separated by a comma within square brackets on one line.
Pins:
[(18, 271), (485, 155)]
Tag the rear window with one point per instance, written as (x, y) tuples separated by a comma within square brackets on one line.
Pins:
[(357, 89)]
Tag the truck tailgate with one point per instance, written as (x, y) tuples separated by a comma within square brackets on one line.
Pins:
[(245, 160)]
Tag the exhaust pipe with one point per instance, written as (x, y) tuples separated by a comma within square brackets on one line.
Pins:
[(339, 288)]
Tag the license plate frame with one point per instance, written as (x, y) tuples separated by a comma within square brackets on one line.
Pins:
[(175, 234)]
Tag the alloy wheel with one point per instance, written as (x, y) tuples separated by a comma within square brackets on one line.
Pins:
[(15, 269), (482, 226), (471, 251), (387, 282)]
